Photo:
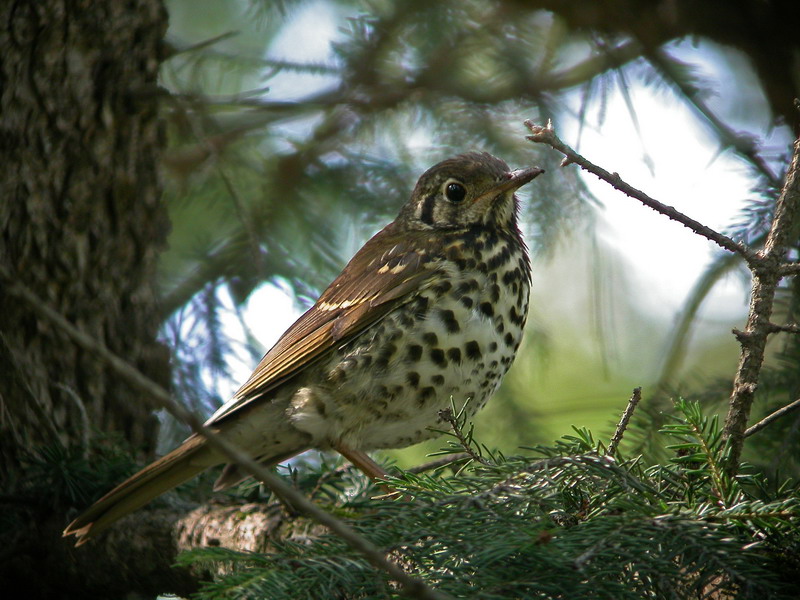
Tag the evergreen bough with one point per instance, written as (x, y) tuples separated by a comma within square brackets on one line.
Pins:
[(564, 521)]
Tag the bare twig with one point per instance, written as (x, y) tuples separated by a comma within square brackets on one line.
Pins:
[(788, 328), (770, 418), (790, 269), (412, 587), (546, 135), (439, 463), (623, 422)]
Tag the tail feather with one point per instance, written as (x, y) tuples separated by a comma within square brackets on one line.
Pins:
[(263, 430), (183, 463)]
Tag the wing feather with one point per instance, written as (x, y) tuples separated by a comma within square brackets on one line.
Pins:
[(368, 288)]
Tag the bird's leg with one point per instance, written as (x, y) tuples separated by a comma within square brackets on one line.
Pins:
[(369, 467), (361, 461)]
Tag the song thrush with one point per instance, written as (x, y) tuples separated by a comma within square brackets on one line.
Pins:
[(430, 310)]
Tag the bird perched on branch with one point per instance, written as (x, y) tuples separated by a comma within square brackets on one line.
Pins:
[(430, 311)]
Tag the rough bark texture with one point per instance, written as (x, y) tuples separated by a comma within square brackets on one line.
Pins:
[(81, 220), (81, 224), (766, 276)]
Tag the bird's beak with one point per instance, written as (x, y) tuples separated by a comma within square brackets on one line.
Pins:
[(515, 180)]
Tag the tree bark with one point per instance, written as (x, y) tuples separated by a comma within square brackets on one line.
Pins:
[(81, 224), (82, 221), (138, 554)]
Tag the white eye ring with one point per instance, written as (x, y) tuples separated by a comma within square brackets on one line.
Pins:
[(454, 190)]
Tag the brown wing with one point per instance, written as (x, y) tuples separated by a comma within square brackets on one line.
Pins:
[(384, 274)]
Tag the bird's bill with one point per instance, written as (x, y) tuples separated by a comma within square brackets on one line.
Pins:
[(516, 179)]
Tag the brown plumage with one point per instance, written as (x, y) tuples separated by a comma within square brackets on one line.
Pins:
[(431, 309)]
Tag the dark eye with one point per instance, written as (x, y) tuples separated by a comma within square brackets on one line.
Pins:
[(455, 192)]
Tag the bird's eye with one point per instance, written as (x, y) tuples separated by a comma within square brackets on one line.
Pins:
[(454, 191)]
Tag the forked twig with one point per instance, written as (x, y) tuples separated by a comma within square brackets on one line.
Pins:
[(767, 266)]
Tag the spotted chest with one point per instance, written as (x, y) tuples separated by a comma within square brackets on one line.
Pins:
[(454, 340)]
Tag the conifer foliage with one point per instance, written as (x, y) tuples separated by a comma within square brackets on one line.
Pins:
[(560, 521)]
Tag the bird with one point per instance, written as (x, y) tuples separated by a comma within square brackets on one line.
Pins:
[(428, 314)]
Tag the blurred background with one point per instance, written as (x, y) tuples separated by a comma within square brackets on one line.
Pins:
[(297, 129)]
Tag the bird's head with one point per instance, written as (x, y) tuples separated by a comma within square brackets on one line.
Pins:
[(469, 189)]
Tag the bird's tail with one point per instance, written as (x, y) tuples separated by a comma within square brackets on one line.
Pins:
[(183, 463)]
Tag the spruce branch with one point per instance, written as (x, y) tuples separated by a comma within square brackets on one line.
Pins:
[(457, 425), (707, 439), (574, 525)]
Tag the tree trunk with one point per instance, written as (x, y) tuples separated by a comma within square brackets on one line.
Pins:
[(81, 225)]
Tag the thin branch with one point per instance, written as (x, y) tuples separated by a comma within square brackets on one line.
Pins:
[(790, 269), (609, 57), (174, 50), (770, 418), (766, 276), (412, 587), (623, 422), (546, 135), (439, 463), (257, 104), (788, 328)]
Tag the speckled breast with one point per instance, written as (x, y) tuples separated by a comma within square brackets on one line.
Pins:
[(454, 340)]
